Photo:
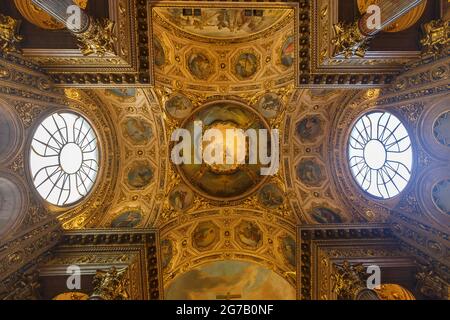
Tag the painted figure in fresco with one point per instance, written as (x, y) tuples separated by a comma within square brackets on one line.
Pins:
[(179, 106), (309, 128), (287, 52), (205, 235), (325, 215), (271, 196), (160, 55), (200, 66), (269, 105), (310, 173), (166, 252), (179, 199), (246, 65), (140, 176), (128, 219), (123, 93), (138, 130), (288, 249), (249, 234)]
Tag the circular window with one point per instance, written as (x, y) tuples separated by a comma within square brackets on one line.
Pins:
[(380, 154), (64, 158)]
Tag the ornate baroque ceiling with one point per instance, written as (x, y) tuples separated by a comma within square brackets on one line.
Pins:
[(231, 68)]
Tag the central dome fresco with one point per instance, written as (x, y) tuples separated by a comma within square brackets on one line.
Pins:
[(230, 180)]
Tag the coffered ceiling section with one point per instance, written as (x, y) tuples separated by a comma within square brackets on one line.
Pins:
[(223, 47)]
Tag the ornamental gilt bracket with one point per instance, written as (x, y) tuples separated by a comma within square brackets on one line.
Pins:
[(9, 37), (349, 41)]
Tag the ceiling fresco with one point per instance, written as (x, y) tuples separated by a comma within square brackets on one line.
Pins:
[(222, 181), (226, 280), (225, 230), (222, 23), (223, 51)]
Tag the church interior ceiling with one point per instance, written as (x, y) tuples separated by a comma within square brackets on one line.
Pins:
[(270, 67)]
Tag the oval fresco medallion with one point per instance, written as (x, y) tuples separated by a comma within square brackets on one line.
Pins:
[(205, 236), (200, 66), (216, 179), (249, 235), (441, 129), (287, 244), (159, 53), (271, 196), (130, 218), (310, 173), (246, 65), (441, 196), (325, 215), (287, 52), (269, 105), (181, 198), (310, 128), (140, 175), (138, 131), (178, 106)]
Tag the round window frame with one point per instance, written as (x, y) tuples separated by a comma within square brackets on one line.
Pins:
[(347, 155), (27, 159)]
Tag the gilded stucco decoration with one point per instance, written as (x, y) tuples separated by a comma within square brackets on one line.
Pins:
[(213, 58), (140, 172), (228, 235), (9, 34)]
